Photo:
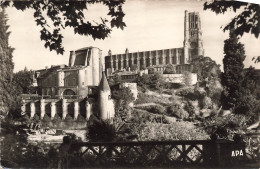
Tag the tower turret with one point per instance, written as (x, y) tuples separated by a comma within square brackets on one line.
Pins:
[(193, 44), (186, 43), (106, 104)]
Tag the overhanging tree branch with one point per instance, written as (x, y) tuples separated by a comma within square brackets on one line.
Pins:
[(70, 13)]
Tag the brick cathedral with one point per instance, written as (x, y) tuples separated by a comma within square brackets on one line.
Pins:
[(180, 57)]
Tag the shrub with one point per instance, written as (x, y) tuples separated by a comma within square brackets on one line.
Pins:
[(214, 90), (188, 93), (156, 109), (35, 118), (81, 118), (176, 110), (199, 92), (225, 126), (46, 118), (151, 81), (191, 108), (106, 131), (175, 131), (145, 98), (56, 118), (207, 103), (69, 118), (142, 116)]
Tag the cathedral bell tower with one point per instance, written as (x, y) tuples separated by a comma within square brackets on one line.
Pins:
[(193, 44)]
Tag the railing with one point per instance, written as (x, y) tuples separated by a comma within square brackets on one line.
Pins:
[(155, 153)]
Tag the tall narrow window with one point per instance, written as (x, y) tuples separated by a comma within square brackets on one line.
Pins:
[(74, 82)]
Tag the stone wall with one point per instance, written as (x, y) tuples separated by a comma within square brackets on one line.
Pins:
[(180, 78)]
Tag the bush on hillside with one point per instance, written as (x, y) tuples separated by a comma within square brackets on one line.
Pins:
[(207, 103), (145, 98), (156, 109), (191, 108), (143, 116), (176, 110), (150, 81), (123, 97), (170, 85), (199, 92), (214, 90), (162, 132), (225, 126), (187, 93)]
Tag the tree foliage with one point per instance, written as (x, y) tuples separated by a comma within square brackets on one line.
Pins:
[(16, 149), (150, 81), (122, 97), (108, 131), (245, 22), (206, 68), (124, 94), (248, 102), (6, 66), (23, 81), (53, 16), (233, 71)]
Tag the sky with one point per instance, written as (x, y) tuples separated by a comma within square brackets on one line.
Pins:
[(151, 25)]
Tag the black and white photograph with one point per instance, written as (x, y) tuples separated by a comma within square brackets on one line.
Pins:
[(129, 84)]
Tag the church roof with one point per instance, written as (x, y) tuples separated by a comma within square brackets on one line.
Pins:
[(104, 86)]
